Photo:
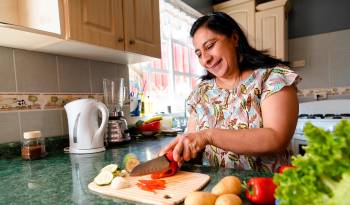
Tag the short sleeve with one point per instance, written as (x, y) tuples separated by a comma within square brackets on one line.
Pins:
[(196, 95), (192, 100), (277, 78)]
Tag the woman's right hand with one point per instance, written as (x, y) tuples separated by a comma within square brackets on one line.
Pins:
[(187, 146)]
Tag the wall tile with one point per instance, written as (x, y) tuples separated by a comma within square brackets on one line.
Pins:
[(64, 123), (9, 127), (7, 71), (100, 70), (302, 47), (123, 72), (48, 122), (316, 73), (74, 75), (314, 50), (36, 72), (340, 41), (339, 65), (340, 58)]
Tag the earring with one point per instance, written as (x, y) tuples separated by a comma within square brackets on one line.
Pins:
[(240, 58)]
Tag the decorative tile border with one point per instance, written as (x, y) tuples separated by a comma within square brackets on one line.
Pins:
[(45, 101), (41, 101), (336, 91)]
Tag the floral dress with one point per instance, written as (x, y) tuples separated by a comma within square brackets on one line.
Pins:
[(239, 108)]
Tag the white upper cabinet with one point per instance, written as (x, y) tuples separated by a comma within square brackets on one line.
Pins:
[(266, 24), (272, 28), (243, 12)]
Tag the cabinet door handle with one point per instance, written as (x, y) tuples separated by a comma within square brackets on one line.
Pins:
[(132, 42), (120, 39)]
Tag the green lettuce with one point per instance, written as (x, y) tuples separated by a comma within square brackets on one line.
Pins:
[(322, 175)]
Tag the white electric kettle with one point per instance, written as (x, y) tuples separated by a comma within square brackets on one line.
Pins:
[(85, 136)]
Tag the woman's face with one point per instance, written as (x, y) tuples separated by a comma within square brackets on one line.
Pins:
[(216, 52)]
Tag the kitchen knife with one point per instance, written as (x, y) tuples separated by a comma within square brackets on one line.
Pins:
[(154, 165)]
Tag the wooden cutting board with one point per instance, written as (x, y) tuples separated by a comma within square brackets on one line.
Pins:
[(177, 187)]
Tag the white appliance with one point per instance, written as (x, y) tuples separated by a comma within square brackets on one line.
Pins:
[(325, 114), (85, 135)]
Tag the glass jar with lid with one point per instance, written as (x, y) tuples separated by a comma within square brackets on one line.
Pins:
[(33, 145)]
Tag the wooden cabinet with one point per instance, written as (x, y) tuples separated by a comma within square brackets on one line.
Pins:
[(130, 25), (271, 29), (265, 24), (96, 22), (142, 27), (41, 15), (118, 31), (242, 11)]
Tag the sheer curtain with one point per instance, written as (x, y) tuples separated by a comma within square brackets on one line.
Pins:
[(168, 81)]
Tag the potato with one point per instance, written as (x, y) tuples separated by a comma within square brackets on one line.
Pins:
[(227, 185), (228, 199), (200, 198)]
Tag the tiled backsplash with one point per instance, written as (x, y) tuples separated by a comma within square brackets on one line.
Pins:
[(35, 86), (327, 59)]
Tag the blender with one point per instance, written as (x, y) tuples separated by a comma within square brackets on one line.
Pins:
[(117, 130)]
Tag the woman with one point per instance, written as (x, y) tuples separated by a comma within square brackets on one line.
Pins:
[(244, 111)]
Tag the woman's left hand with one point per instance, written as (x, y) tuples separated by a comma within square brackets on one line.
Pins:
[(186, 146)]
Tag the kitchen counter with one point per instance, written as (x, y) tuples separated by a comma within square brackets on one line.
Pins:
[(62, 178)]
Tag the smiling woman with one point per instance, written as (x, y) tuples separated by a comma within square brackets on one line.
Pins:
[(233, 116)]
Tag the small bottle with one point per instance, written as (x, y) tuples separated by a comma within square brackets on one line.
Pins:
[(142, 105), (33, 145), (167, 121)]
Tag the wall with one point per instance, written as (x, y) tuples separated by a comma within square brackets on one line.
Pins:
[(327, 58), (52, 81), (313, 17), (319, 33), (203, 6), (306, 18)]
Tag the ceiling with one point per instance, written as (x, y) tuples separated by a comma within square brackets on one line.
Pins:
[(220, 1)]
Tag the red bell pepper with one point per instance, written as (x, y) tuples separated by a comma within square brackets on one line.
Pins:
[(282, 168), (151, 185), (260, 190), (170, 171), (173, 167), (153, 182)]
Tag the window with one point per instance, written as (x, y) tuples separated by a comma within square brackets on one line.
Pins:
[(168, 82)]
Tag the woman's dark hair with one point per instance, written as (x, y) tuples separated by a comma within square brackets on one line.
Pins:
[(247, 56)]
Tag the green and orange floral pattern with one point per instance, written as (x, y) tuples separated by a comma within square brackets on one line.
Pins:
[(236, 109), (40, 101)]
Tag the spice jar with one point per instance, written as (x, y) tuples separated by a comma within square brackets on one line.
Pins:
[(33, 145)]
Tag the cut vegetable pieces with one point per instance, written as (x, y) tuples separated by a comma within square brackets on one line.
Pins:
[(103, 178), (151, 185), (110, 168), (130, 161), (119, 183)]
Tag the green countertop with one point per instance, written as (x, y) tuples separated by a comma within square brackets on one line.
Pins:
[(62, 178)]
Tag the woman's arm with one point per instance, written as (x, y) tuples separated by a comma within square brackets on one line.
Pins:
[(180, 145), (279, 114)]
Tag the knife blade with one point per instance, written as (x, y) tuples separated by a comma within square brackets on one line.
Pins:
[(154, 165)]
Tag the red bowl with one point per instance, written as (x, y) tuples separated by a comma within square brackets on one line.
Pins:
[(150, 127)]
